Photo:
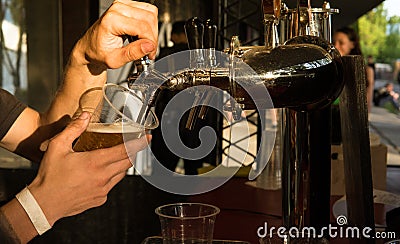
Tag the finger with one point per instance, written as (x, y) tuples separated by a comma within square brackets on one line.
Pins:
[(136, 19), (118, 167), (130, 25), (134, 146), (133, 51), (116, 172), (136, 11), (120, 152), (140, 48), (115, 180), (74, 129)]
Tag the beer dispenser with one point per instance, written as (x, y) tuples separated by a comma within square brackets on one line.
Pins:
[(303, 74)]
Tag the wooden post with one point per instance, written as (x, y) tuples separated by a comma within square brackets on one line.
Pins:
[(356, 147)]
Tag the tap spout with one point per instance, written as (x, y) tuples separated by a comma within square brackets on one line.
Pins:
[(272, 12)]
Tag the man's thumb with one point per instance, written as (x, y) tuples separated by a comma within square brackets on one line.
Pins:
[(75, 128)]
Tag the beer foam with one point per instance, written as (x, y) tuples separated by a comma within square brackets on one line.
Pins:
[(114, 128)]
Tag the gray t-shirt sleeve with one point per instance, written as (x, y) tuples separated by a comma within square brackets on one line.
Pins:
[(10, 109)]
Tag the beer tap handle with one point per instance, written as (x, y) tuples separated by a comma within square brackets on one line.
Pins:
[(272, 7), (277, 9), (272, 13), (141, 64), (326, 6), (210, 35), (310, 21), (203, 109), (143, 60), (210, 42), (235, 107), (192, 117), (303, 17), (131, 38), (194, 29)]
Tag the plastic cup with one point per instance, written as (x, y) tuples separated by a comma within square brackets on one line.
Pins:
[(187, 222), (114, 111)]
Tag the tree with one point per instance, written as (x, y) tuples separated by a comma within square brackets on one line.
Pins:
[(372, 32), (391, 49), (380, 35)]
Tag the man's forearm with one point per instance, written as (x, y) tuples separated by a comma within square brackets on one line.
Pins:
[(15, 225), (7, 234), (80, 75)]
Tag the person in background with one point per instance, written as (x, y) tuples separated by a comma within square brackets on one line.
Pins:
[(347, 42), (387, 95), (371, 81), (71, 182), (398, 77)]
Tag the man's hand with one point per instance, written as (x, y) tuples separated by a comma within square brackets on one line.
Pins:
[(71, 182), (102, 47), (103, 42)]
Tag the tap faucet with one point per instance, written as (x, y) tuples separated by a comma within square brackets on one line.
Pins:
[(272, 12)]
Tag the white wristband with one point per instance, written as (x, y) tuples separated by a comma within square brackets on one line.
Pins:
[(33, 210)]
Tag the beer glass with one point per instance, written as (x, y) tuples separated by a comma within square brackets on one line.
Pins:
[(184, 223), (114, 111)]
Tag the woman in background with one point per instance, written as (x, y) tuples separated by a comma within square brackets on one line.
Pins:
[(347, 42)]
